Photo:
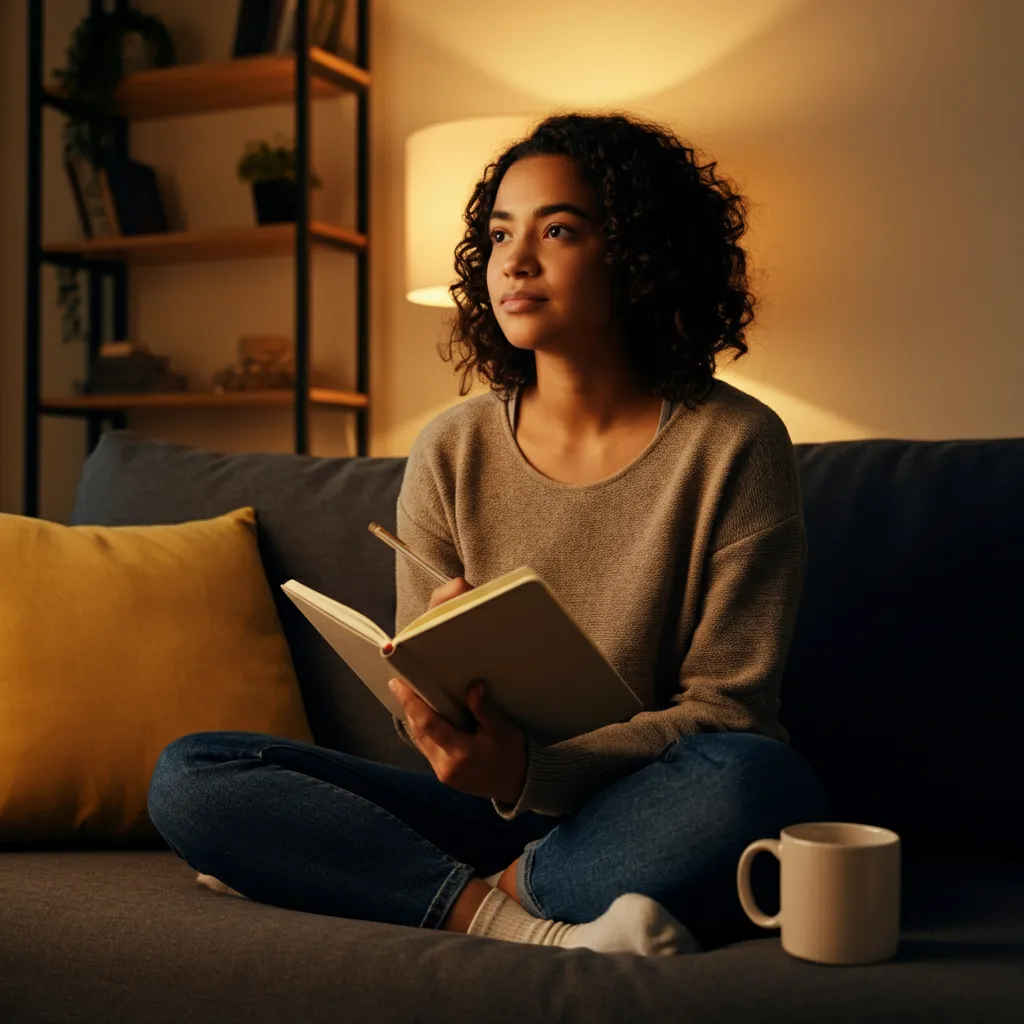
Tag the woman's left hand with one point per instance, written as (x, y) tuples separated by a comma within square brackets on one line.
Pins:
[(490, 762)]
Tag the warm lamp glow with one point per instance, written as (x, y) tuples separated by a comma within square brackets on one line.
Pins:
[(443, 162)]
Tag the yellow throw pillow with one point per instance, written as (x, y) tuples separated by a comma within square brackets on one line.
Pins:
[(114, 641)]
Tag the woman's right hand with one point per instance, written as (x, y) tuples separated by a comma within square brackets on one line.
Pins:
[(447, 591)]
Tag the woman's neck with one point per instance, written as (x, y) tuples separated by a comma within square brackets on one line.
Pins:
[(586, 409)]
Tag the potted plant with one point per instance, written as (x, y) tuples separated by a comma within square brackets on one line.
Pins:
[(271, 171)]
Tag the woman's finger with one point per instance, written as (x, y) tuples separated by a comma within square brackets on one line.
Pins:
[(432, 733)]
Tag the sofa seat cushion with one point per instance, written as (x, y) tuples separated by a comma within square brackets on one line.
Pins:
[(115, 935)]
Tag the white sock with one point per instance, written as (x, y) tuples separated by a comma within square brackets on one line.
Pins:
[(634, 923), (492, 880), (217, 885)]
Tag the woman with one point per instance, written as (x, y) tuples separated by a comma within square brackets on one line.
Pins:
[(600, 274)]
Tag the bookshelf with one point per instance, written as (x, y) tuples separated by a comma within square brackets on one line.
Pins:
[(219, 244), (175, 399), (227, 85), (307, 74)]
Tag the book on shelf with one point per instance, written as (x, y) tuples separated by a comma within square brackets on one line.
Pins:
[(107, 196), (268, 26), (325, 30), (253, 26), (132, 190), (282, 38), (540, 666)]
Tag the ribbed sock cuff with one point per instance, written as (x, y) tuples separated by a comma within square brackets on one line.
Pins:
[(487, 919), (500, 917)]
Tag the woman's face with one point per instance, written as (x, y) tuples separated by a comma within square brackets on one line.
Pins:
[(545, 240)]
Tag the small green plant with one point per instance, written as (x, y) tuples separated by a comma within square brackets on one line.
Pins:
[(262, 161)]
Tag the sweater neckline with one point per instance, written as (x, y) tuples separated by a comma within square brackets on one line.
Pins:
[(559, 485)]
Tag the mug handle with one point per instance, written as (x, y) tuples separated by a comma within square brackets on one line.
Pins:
[(747, 901)]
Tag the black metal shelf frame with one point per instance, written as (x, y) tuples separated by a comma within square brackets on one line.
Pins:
[(116, 269)]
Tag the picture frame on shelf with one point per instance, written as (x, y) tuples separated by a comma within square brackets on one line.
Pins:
[(96, 214)]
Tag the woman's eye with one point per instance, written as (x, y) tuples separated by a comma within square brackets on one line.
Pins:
[(554, 227)]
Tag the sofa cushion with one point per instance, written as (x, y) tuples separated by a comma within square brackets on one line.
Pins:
[(312, 517), (116, 641), (131, 936)]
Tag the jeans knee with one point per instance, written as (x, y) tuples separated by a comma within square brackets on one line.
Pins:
[(167, 784), (764, 778)]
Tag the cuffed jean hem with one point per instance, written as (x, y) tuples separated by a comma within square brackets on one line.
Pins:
[(451, 889), (524, 890)]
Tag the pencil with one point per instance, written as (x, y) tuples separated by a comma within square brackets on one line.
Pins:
[(399, 545)]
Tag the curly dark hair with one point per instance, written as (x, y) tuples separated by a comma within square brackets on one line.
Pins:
[(671, 227)]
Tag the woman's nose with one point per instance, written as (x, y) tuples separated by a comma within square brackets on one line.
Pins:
[(521, 260)]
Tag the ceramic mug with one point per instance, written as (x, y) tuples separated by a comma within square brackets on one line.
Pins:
[(839, 892)]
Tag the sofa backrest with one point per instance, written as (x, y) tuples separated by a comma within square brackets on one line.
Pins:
[(312, 515), (903, 683)]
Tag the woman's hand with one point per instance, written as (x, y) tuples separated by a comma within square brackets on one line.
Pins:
[(447, 591), (490, 762)]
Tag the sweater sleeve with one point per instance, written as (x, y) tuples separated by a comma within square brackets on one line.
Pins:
[(421, 523), (730, 677)]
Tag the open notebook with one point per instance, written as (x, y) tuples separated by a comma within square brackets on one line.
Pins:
[(541, 668)]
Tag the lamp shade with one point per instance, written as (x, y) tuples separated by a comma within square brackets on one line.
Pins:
[(443, 163)]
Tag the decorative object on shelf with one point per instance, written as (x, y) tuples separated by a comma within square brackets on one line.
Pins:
[(268, 26), (95, 212), (125, 368), (265, 362), (271, 170), (104, 47)]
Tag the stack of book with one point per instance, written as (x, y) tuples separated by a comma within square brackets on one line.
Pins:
[(268, 26), (122, 369)]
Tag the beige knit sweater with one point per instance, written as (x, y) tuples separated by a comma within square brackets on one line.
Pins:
[(685, 568)]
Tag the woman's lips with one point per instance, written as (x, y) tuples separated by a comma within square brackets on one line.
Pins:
[(521, 305)]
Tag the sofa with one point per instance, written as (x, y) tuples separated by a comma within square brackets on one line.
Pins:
[(903, 689)]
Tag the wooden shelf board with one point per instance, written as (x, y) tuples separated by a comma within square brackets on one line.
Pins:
[(214, 244), (207, 399), (230, 84)]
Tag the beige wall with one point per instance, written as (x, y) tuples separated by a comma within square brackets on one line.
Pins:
[(880, 142)]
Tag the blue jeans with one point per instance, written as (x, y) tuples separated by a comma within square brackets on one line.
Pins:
[(313, 829)]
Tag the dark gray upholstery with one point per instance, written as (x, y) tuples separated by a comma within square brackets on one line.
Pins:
[(107, 937), (902, 689), (313, 515)]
